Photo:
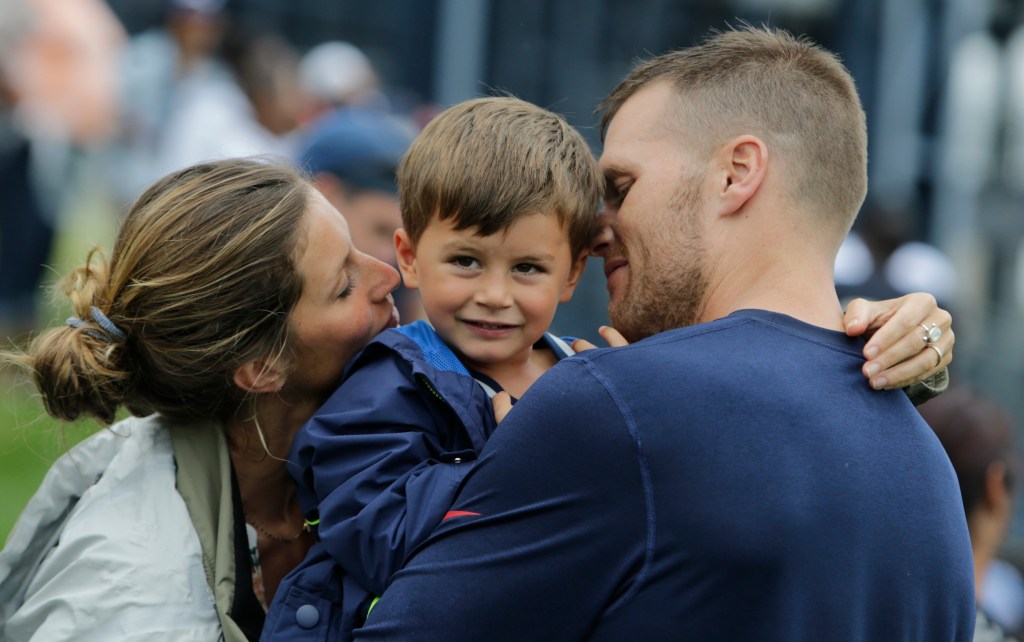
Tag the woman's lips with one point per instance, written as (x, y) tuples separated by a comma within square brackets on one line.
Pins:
[(394, 320)]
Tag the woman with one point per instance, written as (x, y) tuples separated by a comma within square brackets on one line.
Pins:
[(232, 301)]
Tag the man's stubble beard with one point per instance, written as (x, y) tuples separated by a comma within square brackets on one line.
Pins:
[(671, 291)]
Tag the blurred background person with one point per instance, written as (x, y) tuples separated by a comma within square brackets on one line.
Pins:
[(978, 437), (256, 111), (57, 73), (160, 68), (338, 74), (353, 153), (201, 87)]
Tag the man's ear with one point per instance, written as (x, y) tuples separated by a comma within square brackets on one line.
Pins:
[(743, 165), (405, 253), (257, 376), (575, 274)]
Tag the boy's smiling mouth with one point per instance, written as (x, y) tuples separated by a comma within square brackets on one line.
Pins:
[(488, 328)]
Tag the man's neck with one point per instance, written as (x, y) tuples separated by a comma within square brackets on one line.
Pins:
[(778, 281)]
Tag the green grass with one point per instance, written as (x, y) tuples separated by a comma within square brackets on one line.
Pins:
[(29, 442), (29, 439)]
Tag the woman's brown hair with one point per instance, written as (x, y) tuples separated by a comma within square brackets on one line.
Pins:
[(201, 280)]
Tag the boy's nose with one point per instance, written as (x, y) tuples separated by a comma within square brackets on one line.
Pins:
[(494, 292)]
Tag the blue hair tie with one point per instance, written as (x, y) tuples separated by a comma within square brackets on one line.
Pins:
[(100, 319)]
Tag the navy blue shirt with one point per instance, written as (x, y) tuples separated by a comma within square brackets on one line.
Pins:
[(732, 480)]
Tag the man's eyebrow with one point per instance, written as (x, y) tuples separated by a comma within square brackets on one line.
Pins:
[(611, 172)]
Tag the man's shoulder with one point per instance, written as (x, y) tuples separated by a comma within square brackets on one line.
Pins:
[(744, 337)]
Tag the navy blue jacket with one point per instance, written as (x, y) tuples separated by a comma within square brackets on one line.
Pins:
[(736, 480), (380, 462)]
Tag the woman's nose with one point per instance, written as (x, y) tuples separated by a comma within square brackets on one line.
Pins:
[(387, 278)]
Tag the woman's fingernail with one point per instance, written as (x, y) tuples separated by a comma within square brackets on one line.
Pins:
[(871, 352), (880, 383), (873, 369)]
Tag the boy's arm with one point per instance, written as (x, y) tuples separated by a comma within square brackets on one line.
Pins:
[(381, 472)]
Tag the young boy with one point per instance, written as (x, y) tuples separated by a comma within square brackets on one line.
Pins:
[(498, 202)]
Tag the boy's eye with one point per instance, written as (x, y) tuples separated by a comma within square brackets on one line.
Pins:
[(527, 268), (464, 261)]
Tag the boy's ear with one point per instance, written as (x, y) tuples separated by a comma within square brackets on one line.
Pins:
[(258, 376), (575, 274), (405, 252), (743, 165)]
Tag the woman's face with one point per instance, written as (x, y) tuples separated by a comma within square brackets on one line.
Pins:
[(345, 302)]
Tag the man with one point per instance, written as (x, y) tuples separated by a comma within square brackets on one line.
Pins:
[(728, 475)]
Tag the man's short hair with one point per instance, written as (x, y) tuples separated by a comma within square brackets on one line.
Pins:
[(486, 162), (796, 96)]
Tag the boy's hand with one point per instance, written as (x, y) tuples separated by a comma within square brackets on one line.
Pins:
[(502, 403), (897, 352), (608, 333)]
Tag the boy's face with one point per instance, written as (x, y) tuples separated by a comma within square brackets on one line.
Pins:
[(491, 297)]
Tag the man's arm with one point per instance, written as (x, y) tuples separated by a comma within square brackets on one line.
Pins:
[(550, 530)]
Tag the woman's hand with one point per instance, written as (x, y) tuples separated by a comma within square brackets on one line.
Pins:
[(899, 351)]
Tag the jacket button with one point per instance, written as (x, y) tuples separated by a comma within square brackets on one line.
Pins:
[(307, 616)]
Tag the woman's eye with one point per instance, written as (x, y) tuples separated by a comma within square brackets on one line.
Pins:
[(464, 261), (348, 289)]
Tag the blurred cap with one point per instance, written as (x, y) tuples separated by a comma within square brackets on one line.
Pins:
[(336, 71), (359, 146), (204, 7)]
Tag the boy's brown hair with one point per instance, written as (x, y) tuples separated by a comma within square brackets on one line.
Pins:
[(795, 95), (486, 162)]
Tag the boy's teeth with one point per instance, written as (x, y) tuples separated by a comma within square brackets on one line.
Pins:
[(490, 326)]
